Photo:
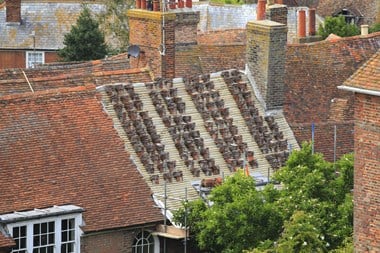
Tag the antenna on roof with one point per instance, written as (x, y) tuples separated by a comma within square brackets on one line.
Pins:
[(133, 51)]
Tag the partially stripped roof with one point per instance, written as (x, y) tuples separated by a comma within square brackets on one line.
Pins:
[(59, 147), (368, 76), (50, 22)]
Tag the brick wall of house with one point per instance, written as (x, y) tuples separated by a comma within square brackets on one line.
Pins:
[(311, 88), (367, 174), (147, 34), (12, 59), (17, 58), (186, 28), (324, 137), (114, 241), (266, 42)]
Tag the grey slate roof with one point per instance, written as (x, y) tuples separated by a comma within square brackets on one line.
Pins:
[(49, 21)]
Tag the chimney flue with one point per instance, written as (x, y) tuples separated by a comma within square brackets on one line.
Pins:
[(260, 11), (301, 24), (13, 11), (311, 22), (364, 29)]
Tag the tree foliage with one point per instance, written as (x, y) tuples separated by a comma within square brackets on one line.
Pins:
[(374, 28), (84, 41), (114, 23), (312, 212), (337, 26)]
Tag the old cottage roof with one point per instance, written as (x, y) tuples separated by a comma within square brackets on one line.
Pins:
[(367, 77), (49, 21), (6, 242), (52, 76), (59, 147)]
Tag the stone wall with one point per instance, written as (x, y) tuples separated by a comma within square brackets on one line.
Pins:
[(366, 174), (218, 17)]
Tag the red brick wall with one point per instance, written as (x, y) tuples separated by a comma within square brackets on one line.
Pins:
[(12, 59), (218, 58), (313, 72), (121, 241), (324, 137), (367, 174), (16, 58), (115, 242), (146, 32)]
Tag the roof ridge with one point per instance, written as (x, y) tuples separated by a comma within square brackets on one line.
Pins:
[(59, 92)]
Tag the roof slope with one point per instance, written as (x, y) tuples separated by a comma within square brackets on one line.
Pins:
[(59, 147), (368, 76), (314, 70), (72, 74), (49, 21), (6, 242)]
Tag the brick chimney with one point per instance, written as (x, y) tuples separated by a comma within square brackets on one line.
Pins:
[(161, 45), (277, 13), (311, 22), (266, 47), (13, 11)]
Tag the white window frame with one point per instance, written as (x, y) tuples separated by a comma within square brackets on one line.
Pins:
[(57, 230), (31, 64), (156, 241)]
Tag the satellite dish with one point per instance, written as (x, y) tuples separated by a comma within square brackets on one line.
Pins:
[(134, 51)]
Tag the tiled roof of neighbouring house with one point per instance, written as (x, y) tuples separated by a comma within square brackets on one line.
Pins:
[(368, 76), (59, 147), (6, 242), (49, 21)]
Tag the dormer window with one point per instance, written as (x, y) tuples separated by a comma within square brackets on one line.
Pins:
[(50, 230), (351, 16)]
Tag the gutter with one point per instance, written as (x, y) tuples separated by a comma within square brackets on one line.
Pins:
[(359, 90)]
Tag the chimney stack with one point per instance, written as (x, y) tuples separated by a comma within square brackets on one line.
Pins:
[(311, 22), (301, 24), (13, 11), (260, 11), (266, 49), (364, 29)]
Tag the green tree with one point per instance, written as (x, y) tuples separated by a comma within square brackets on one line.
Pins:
[(314, 186), (337, 26), (374, 28), (114, 23), (311, 212), (85, 41), (238, 218), (301, 234)]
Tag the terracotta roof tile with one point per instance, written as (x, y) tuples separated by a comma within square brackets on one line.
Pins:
[(59, 147), (368, 75), (6, 242), (53, 76)]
